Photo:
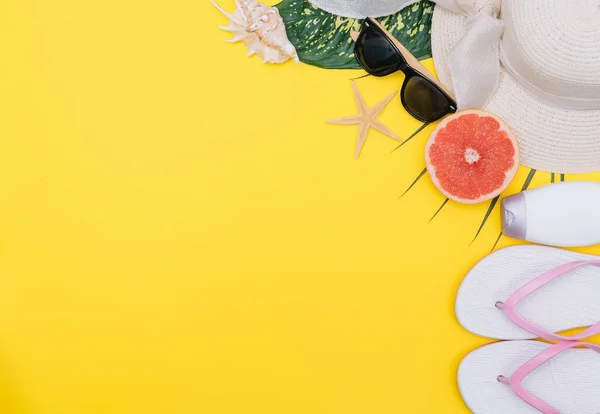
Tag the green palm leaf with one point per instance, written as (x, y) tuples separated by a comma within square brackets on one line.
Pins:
[(323, 39)]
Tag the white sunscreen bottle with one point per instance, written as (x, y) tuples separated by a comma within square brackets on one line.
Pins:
[(562, 214)]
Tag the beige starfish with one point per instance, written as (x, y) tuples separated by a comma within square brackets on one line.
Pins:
[(367, 119)]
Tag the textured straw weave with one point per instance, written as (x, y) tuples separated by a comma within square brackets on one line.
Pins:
[(558, 42), (362, 8)]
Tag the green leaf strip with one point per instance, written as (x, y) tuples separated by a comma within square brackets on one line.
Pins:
[(527, 182), (414, 182), (414, 134), (485, 218), (439, 209), (497, 240)]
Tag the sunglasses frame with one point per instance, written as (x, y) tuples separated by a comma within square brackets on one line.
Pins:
[(408, 66)]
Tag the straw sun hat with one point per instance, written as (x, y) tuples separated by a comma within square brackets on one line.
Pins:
[(536, 64), (361, 9)]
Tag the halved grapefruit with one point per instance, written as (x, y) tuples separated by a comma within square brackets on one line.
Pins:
[(472, 156)]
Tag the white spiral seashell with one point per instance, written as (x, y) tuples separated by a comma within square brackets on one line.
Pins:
[(261, 29)]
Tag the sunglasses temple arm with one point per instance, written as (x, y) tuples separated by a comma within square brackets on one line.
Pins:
[(421, 128)]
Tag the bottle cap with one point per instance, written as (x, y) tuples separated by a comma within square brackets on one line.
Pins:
[(514, 216)]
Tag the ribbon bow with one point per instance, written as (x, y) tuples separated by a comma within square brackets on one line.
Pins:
[(474, 61)]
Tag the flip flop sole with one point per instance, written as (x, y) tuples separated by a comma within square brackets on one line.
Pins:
[(570, 382), (570, 301)]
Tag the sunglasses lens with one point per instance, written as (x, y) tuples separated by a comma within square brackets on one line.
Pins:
[(375, 53), (424, 100)]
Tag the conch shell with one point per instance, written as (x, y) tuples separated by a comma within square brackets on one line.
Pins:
[(262, 30)]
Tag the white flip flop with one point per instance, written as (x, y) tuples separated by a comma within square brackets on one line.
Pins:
[(529, 377), (526, 292)]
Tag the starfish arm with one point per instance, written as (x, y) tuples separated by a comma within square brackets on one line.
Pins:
[(360, 101), (377, 109), (363, 131), (384, 129), (347, 120)]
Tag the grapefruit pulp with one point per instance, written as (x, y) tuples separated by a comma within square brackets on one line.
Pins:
[(472, 156)]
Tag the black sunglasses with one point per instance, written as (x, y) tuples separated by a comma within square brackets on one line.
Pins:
[(381, 54)]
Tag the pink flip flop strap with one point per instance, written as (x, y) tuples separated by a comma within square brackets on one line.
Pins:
[(509, 306), (516, 380)]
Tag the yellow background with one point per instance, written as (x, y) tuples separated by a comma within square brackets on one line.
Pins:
[(181, 232)]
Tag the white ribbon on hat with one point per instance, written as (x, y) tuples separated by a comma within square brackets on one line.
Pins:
[(475, 60)]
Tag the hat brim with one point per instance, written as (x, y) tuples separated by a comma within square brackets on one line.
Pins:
[(361, 9), (551, 138)]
